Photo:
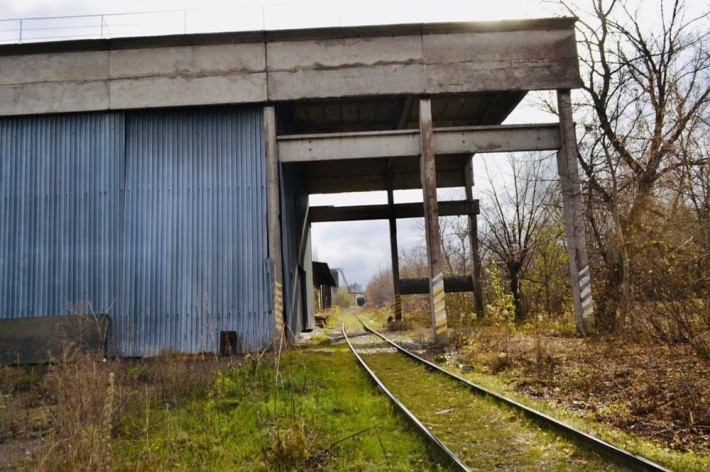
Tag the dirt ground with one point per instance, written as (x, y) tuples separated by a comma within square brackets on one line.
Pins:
[(640, 387)]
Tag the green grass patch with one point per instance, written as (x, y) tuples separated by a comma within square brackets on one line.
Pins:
[(311, 409)]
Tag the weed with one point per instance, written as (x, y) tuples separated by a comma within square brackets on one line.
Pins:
[(85, 403), (289, 445)]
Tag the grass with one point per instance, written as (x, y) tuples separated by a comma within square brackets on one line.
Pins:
[(549, 369), (477, 429), (309, 409), (320, 410)]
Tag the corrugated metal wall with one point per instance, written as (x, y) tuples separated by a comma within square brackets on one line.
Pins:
[(294, 204), (158, 218), (59, 208)]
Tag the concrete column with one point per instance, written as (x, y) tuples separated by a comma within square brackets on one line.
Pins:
[(574, 217), (437, 299), (473, 243), (393, 247), (274, 217)]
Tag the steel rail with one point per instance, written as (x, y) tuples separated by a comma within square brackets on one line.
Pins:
[(615, 453), (458, 463)]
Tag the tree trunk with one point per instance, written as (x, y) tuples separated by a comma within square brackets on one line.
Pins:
[(515, 290), (610, 301)]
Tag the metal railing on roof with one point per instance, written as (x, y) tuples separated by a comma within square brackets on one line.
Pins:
[(248, 16), (156, 23)]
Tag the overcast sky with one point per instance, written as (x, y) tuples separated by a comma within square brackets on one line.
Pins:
[(360, 248)]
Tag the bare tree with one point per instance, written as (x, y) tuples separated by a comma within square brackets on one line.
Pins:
[(514, 214), (380, 291), (646, 89)]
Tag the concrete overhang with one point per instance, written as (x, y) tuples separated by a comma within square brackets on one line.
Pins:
[(474, 72)]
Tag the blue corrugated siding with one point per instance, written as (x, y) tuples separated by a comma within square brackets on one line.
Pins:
[(158, 218), (195, 206), (294, 203), (60, 201)]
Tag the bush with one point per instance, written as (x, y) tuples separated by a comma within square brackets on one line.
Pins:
[(86, 403)]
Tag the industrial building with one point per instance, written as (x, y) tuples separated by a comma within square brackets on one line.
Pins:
[(164, 181)]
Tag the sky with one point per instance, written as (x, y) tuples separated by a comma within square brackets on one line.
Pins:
[(274, 14), (359, 248)]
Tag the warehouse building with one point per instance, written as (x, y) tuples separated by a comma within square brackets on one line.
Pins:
[(164, 181)]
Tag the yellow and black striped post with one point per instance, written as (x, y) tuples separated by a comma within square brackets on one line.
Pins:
[(278, 310), (397, 306), (427, 170), (439, 305)]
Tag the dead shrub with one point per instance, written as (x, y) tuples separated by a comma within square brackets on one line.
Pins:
[(672, 298), (501, 362), (175, 377), (680, 321), (85, 403)]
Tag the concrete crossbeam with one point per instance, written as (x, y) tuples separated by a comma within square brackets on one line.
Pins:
[(406, 143), (323, 214)]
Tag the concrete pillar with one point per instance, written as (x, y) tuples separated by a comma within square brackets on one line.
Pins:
[(393, 247), (473, 243), (574, 217), (437, 298), (274, 218)]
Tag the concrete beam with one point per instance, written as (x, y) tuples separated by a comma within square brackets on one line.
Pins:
[(394, 250), (437, 301), (260, 67), (324, 214), (504, 60), (273, 194), (394, 144), (476, 272), (372, 182), (574, 217)]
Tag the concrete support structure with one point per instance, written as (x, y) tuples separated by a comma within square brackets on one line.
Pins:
[(393, 247), (437, 299), (473, 244), (345, 100), (274, 218), (280, 66), (574, 218)]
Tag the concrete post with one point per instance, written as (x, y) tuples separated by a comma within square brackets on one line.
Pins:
[(393, 247), (574, 217), (274, 218), (473, 243), (437, 298)]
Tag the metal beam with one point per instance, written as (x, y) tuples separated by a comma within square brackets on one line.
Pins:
[(406, 143), (325, 214), (421, 286)]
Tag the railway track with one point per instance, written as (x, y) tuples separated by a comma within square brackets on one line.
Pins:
[(475, 428)]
